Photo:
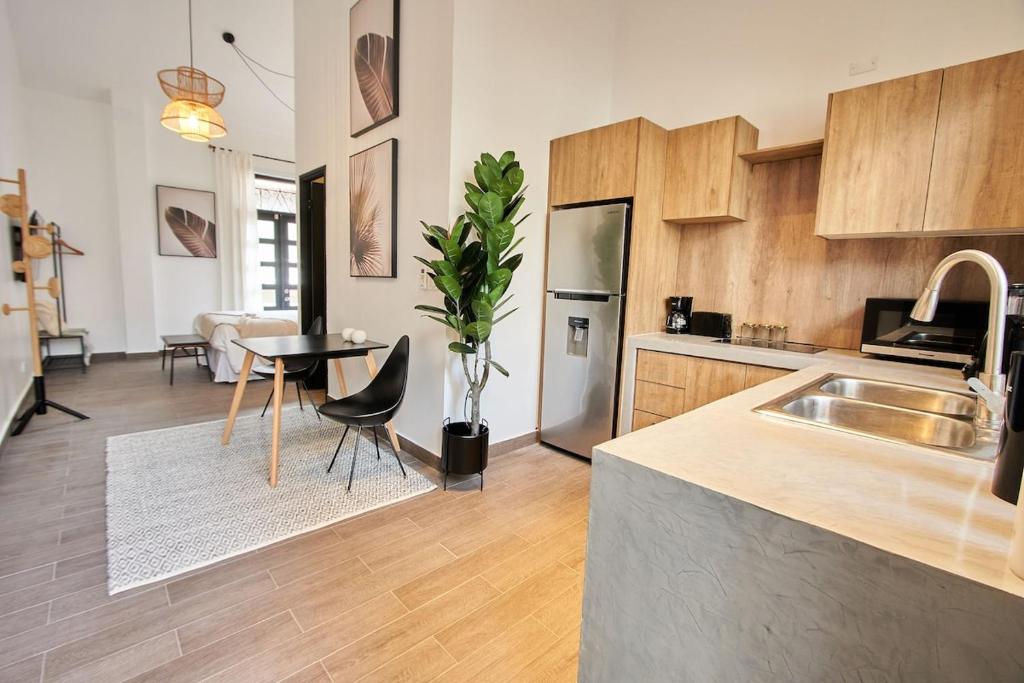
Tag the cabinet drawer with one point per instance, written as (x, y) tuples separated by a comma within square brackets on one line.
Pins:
[(642, 419), (661, 368), (659, 399)]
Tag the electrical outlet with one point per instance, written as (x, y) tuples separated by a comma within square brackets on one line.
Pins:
[(857, 68), (424, 279)]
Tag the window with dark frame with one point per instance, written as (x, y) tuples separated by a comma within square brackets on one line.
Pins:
[(279, 260)]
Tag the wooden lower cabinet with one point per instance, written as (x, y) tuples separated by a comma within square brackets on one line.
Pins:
[(759, 374), (669, 384), (709, 380)]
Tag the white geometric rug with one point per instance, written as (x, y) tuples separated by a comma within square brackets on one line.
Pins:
[(178, 500)]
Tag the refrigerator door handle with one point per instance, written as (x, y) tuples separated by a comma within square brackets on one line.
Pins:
[(582, 295)]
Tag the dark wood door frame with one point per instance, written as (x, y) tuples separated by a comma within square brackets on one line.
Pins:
[(313, 255)]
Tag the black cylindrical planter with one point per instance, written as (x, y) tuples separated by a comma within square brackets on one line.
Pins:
[(463, 453)]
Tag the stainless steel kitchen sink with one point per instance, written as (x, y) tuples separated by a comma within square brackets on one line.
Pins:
[(890, 411), (902, 396)]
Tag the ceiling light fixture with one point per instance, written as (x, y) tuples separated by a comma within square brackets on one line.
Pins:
[(194, 95)]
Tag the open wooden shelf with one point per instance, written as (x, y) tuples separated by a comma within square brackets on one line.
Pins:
[(797, 150)]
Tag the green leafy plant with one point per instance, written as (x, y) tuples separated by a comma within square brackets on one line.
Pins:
[(475, 268)]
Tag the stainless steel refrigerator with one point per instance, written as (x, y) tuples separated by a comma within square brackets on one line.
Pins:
[(587, 252)]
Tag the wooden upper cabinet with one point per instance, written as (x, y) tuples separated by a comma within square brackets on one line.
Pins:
[(594, 165), (977, 178), (705, 179), (877, 156)]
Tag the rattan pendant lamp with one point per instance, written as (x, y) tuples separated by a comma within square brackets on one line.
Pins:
[(194, 95)]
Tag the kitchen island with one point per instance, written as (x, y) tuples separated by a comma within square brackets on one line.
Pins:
[(726, 545)]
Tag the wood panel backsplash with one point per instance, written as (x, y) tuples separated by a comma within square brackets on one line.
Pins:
[(772, 269)]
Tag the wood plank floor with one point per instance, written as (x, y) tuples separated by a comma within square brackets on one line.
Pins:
[(460, 585)]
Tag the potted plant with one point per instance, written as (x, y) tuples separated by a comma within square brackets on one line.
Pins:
[(473, 271)]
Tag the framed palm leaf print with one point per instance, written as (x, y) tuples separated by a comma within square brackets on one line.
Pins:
[(185, 222), (373, 59), (373, 211)]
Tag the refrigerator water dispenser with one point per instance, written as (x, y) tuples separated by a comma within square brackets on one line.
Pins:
[(578, 337)]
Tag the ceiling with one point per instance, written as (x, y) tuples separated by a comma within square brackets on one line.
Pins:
[(85, 48)]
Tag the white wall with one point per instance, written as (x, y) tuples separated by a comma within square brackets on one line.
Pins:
[(775, 62), (70, 168), (15, 352), (382, 307), (182, 286), (552, 82)]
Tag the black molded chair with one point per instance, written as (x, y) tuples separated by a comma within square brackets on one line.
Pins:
[(374, 406), (297, 371)]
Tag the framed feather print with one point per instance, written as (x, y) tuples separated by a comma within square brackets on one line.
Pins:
[(373, 55), (185, 222), (373, 211)]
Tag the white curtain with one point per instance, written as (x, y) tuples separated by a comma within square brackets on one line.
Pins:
[(237, 239)]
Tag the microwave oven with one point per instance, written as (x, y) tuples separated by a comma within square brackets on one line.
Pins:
[(953, 338)]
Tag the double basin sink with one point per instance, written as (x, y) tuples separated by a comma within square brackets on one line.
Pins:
[(902, 413)]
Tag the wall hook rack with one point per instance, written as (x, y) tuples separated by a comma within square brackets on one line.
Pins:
[(34, 246)]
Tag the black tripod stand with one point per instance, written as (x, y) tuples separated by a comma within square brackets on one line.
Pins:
[(39, 407)]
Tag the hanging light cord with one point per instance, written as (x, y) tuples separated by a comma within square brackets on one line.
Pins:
[(191, 60), (246, 59)]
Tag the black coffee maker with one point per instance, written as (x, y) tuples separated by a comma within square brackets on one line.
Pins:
[(678, 320), (1010, 454)]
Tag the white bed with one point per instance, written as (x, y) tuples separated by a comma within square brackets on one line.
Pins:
[(219, 328)]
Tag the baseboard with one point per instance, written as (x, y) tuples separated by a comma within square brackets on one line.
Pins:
[(500, 448), (420, 453), (515, 443), (137, 355), (107, 356), (19, 406)]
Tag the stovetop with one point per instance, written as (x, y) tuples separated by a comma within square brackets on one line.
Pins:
[(798, 347)]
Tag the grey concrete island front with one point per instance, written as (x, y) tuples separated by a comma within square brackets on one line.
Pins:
[(726, 545)]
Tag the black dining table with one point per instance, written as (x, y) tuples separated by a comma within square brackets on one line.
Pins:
[(303, 346)]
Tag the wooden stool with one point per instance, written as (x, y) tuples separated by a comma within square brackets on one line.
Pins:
[(190, 345)]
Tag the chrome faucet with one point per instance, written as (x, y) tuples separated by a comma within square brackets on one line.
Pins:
[(987, 417)]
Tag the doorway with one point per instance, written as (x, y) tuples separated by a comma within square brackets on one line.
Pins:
[(313, 256)]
